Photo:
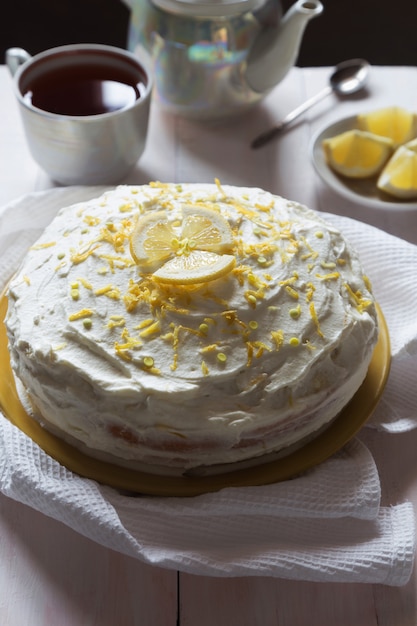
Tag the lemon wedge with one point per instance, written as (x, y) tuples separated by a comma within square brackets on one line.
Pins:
[(394, 122), (186, 249), (200, 266), (399, 176), (356, 153)]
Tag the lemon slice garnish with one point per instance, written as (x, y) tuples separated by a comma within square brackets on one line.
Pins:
[(356, 153), (207, 229), (394, 122), (151, 240), (187, 249), (200, 266), (399, 176)]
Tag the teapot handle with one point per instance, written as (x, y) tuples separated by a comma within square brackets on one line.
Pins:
[(15, 57)]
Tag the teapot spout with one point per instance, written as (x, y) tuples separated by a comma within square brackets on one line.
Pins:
[(275, 49)]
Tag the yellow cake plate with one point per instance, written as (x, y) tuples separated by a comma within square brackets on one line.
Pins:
[(326, 443)]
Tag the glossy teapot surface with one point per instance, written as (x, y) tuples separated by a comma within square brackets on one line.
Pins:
[(217, 58)]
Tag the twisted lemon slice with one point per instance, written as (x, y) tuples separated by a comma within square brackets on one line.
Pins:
[(183, 251)]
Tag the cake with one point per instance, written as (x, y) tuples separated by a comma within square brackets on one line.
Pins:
[(183, 328)]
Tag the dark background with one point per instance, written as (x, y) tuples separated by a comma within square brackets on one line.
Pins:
[(382, 31)]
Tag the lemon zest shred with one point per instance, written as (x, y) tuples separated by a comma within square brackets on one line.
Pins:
[(80, 314), (315, 319), (210, 348), (109, 291), (329, 276), (219, 187), (289, 281), (278, 338), (249, 350), (260, 347), (292, 292), (116, 323), (130, 343), (144, 323), (86, 283), (310, 291), (152, 329), (42, 246), (358, 299), (60, 346), (80, 257), (91, 220), (126, 208), (367, 282)]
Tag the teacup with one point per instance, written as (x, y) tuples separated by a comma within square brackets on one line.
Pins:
[(85, 109)]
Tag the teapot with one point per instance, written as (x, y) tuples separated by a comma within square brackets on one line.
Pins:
[(217, 58)]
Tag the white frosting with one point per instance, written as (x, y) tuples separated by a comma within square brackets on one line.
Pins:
[(294, 319)]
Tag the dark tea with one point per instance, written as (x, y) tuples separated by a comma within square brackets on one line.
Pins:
[(84, 89)]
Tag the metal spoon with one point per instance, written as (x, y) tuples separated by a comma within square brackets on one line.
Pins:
[(347, 77)]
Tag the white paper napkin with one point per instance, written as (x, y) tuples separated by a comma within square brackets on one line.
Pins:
[(326, 525)]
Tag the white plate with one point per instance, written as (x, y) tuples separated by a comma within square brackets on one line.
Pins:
[(360, 191)]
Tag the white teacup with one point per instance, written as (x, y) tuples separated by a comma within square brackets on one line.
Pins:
[(85, 109)]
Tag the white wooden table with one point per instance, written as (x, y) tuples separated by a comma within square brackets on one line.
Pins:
[(52, 576)]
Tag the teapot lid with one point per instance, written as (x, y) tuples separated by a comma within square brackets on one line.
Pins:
[(208, 8)]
